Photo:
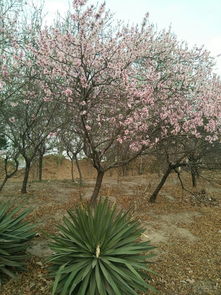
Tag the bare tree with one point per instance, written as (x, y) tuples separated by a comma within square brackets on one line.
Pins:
[(10, 163), (73, 146), (187, 153)]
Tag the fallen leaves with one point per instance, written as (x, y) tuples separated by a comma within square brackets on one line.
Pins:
[(184, 267)]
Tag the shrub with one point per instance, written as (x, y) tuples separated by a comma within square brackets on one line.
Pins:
[(98, 251), (14, 234)]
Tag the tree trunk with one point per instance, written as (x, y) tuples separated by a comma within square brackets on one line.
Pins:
[(26, 175), (79, 170), (72, 169), (3, 183), (9, 175), (41, 152), (40, 167), (160, 185), (140, 168), (93, 200), (124, 170), (193, 176)]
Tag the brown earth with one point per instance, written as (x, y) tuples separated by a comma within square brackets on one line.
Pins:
[(186, 229), (58, 167)]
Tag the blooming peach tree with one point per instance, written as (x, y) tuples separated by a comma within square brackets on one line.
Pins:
[(92, 66), (125, 85), (187, 102), (9, 15), (26, 112)]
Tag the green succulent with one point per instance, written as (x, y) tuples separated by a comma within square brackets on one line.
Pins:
[(14, 235), (98, 252)]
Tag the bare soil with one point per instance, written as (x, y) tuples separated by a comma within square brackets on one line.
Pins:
[(185, 228)]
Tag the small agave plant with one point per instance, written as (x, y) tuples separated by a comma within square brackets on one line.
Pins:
[(14, 235), (98, 252)]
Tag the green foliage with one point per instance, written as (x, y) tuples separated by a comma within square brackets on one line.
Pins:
[(98, 252), (14, 235), (3, 142)]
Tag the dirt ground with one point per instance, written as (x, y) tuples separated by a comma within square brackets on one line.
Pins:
[(185, 228)]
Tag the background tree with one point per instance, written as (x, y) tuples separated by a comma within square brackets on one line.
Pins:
[(9, 162), (10, 12), (30, 121), (73, 146), (26, 108), (183, 89)]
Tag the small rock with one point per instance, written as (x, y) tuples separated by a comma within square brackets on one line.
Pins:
[(191, 281), (39, 263), (87, 195), (40, 249)]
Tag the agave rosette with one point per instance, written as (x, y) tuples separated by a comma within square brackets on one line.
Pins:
[(98, 252), (14, 235)]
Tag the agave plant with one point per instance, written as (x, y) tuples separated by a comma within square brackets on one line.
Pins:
[(14, 234), (98, 252)]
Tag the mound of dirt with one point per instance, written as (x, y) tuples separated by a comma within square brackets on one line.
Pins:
[(57, 167)]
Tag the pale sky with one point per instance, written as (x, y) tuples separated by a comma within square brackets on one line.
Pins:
[(195, 21)]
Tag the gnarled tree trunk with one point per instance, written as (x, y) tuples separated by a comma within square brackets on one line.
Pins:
[(40, 167), (26, 176), (8, 175), (72, 169), (154, 195), (194, 174), (100, 175), (3, 183), (41, 153), (79, 170)]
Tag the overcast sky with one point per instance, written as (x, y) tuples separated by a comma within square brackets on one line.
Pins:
[(195, 21)]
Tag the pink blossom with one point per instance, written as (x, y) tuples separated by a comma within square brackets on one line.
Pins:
[(13, 104), (88, 128), (120, 140), (68, 92), (47, 99), (52, 134), (12, 119), (5, 73), (70, 99), (79, 2)]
